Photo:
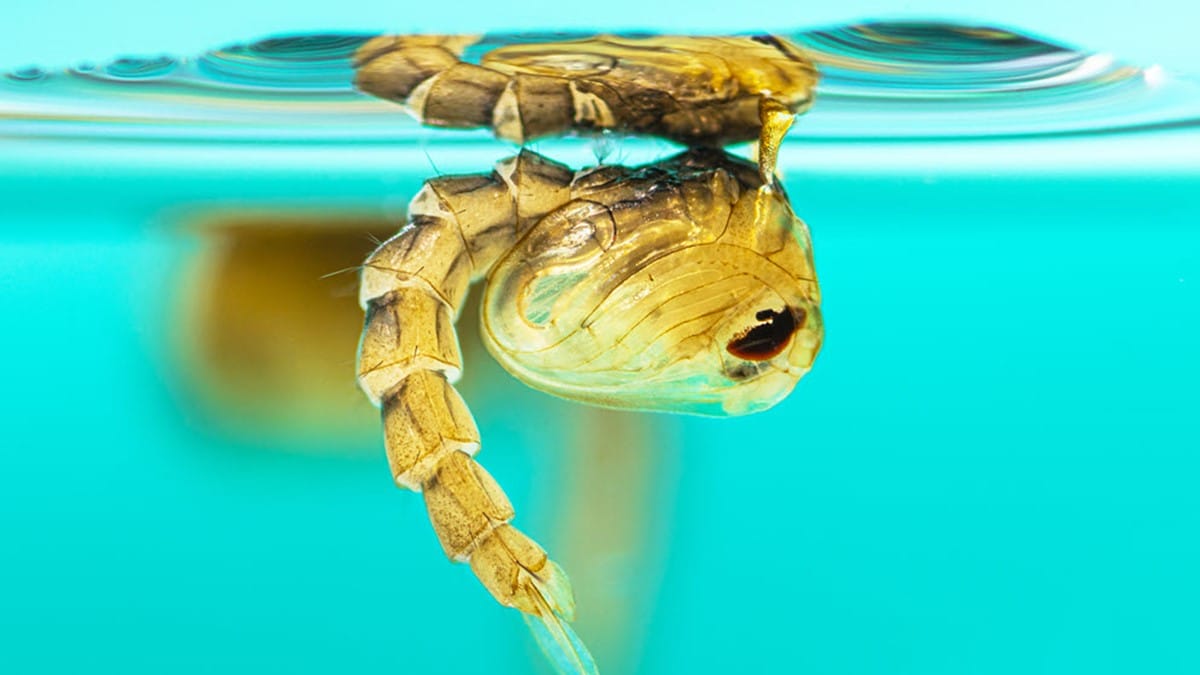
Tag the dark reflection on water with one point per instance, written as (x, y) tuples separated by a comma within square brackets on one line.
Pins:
[(269, 319)]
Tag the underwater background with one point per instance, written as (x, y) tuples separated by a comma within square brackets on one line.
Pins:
[(992, 468)]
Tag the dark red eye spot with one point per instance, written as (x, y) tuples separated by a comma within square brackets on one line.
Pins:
[(767, 339)]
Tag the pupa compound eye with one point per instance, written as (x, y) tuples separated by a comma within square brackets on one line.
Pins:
[(766, 340)]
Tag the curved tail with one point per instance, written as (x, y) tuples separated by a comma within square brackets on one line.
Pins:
[(412, 288)]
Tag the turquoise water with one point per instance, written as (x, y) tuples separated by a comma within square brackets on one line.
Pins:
[(992, 468)]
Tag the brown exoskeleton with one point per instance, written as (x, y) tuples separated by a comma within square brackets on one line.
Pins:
[(685, 285)]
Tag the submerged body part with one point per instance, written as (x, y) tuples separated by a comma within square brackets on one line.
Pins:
[(698, 91), (686, 285)]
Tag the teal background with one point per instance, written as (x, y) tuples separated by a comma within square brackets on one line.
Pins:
[(991, 470)]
